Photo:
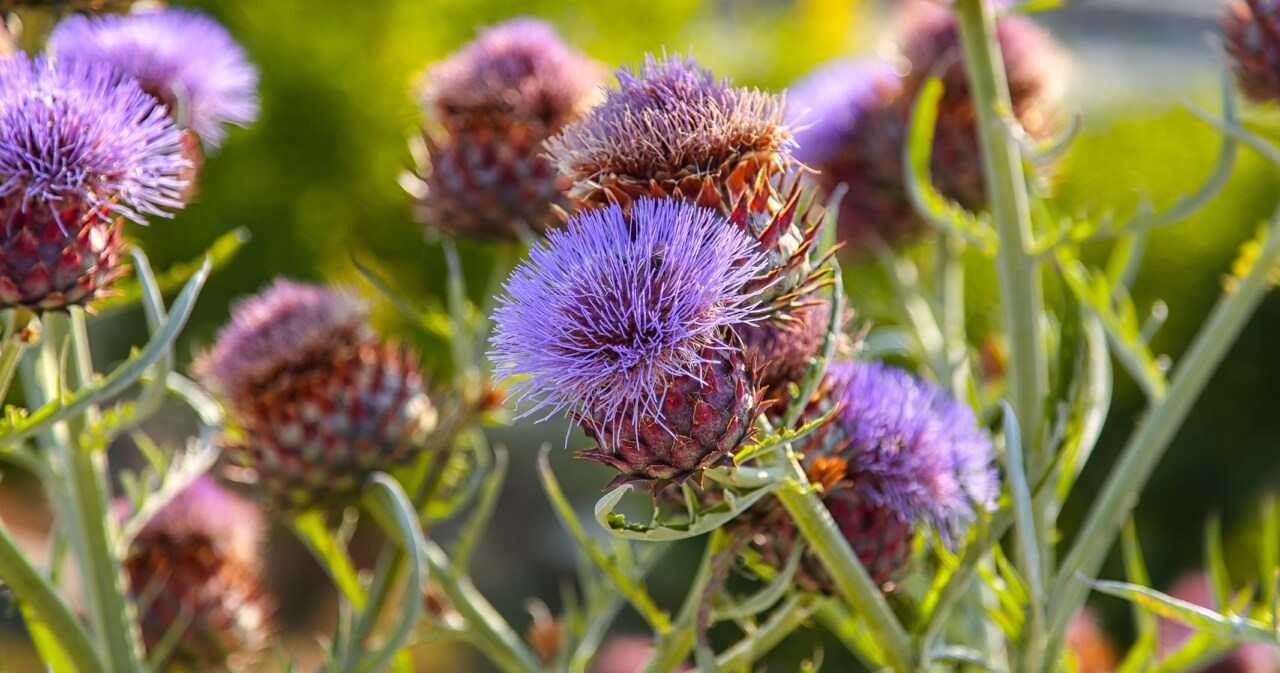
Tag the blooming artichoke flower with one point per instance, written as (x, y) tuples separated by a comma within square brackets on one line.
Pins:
[(900, 453), (672, 130), (625, 319), (184, 58), (198, 559), (852, 118), (321, 401), (488, 107), (1252, 32), (81, 147)]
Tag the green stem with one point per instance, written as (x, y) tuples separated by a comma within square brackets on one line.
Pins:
[(484, 623), (851, 579), (1017, 270), (786, 618), (35, 591), (1112, 506), (86, 515), (953, 327), (671, 649)]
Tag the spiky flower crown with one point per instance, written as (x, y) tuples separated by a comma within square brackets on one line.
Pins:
[(605, 314), (180, 56)]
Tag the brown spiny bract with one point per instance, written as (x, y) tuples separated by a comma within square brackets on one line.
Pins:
[(53, 262)]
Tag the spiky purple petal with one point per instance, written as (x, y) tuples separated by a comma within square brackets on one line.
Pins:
[(75, 134), (614, 307), (181, 56)]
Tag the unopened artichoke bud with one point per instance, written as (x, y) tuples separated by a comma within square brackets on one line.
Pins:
[(1251, 29), (853, 119), (198, 561), (81, 148), (625, 320), (321, 401), (487, 108), (900, 454)]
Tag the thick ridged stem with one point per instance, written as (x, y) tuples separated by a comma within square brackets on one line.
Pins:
[(1119, 494), (852, 582), (86, 513)]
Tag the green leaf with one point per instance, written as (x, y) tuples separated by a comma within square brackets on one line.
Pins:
[(704, 521), (1236, 628), (1143, 650), (315, 536), (47, 647), (218, 255), (63, 407), (1216, 563), (943, 213)]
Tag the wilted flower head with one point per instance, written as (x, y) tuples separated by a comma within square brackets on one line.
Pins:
[(623, 319), (670, 120), (181, 56), (199, 559), (79, 144), (1252, 39), (321, 401), (488, 107)]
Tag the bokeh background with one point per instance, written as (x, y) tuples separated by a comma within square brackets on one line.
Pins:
[(315, 183)]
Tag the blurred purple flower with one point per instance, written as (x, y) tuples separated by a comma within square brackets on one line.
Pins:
[(1251, 29), (288, 327), (830, 105), (181, 56), (616, 306)]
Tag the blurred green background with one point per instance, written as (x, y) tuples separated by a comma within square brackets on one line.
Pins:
[(315, 183)]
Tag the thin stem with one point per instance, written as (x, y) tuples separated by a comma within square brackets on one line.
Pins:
[(12, 346), (788, 617), (46, 605), (851, 579), (484, 624), (1112, 506), (86, 516), (951, 251), (1016, 268), (673, 647)]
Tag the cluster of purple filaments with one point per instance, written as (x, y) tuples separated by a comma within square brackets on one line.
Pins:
[(912, 448), (181, 56), (74, 133), (614, 306)]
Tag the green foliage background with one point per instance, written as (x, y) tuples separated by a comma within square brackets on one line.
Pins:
[(315, 183)]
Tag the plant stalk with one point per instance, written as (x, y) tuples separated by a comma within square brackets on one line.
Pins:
[(1119, 494)]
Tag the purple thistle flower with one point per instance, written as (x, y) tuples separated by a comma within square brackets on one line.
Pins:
[(181, 56), (910, 448), (833, 103), (615, 307), (288, 327), (670, 117), (83, 135)]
